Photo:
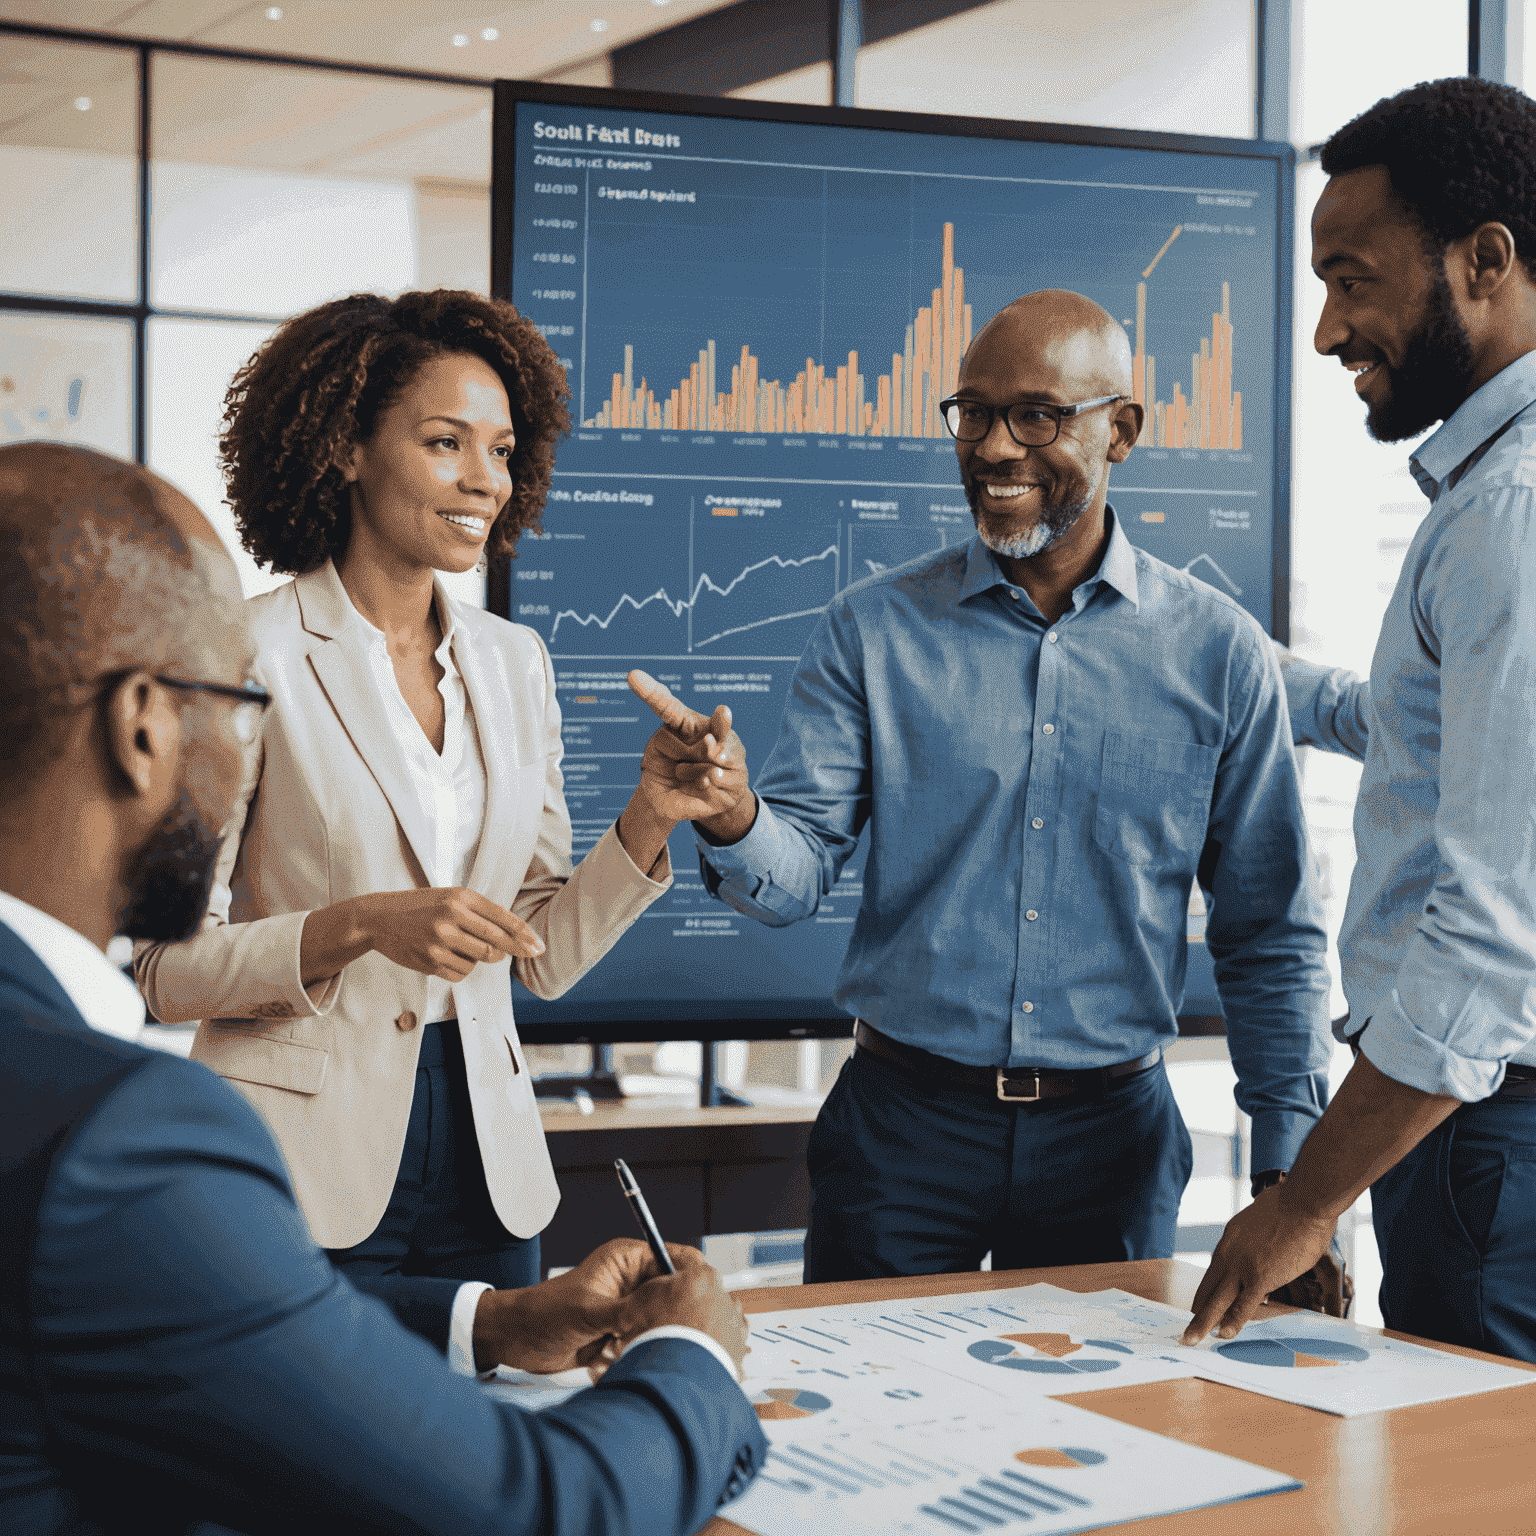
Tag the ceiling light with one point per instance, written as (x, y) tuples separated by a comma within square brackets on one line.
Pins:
[(489, 35), (599, 25), (461, 40), (274, 13), (658, 2), (82, 103)]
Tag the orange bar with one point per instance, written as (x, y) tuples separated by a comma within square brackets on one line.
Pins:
[(618, 386), (854, 423), (1226, 368), (1237, 418), (967, 327), (1218, 414), (952, 334), (946, 347), (919, 368)]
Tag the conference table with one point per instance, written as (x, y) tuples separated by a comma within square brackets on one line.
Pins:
[(1467, 1466)]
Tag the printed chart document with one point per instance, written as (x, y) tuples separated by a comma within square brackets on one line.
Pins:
[(1033, 1340), (1306, 1358), (938, 1416), (906, 1449)]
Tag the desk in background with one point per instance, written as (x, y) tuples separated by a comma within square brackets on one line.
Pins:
[(702, 1170), (1466, 1467)]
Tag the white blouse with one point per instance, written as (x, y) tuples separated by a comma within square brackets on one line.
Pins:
[(450, 784)]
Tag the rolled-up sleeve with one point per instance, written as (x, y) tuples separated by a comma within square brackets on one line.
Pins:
[(1464, 1000), (813, 793), (1265, 932), (1329, 706)]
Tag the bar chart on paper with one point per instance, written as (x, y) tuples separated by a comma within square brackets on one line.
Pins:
[(891, 1417), (758, 320)]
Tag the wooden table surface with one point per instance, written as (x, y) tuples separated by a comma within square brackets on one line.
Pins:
[(1461, 1468)]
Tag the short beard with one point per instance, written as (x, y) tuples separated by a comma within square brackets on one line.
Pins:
[(171, 876), (1436, 372), (1054, 525)]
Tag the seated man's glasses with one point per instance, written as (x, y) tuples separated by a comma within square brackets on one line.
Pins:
[(251, 700), (1031, 423)]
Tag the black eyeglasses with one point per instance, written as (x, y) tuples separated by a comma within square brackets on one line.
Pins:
[(251, 700), (1031, 423)]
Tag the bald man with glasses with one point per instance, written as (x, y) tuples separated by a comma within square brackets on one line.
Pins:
[(1048, 736)]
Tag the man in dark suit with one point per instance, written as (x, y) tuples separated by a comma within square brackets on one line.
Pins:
[(174, 1348)]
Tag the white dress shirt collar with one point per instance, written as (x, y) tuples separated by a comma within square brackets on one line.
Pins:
[(102, 995)]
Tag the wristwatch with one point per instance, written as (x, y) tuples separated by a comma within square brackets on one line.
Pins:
[(1266, 1180)]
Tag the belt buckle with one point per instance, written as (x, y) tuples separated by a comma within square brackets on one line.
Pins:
[(1016, 1098)]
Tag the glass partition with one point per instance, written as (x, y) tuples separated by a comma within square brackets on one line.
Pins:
[(69, 146)]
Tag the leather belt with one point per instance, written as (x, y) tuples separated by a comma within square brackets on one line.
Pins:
[(1519, 1082), (1013, 1085)]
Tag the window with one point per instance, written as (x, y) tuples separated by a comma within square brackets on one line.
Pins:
[(68, 145)]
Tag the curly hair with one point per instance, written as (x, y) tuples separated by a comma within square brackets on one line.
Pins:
[(316, 387), (1459, 152)]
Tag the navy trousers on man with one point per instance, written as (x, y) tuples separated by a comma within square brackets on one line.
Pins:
[(1456, 1222), (919, 1178), (440, 1220)]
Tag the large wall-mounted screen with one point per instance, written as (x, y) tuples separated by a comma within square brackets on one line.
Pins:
[(759, 309)]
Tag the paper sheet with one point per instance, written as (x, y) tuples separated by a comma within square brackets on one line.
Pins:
[(905, 1448), (1031, 1341), (523, 1389), (1306, 1358), (1316, 1361)]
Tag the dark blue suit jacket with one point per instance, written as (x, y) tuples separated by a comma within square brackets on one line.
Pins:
[(174, 1348)]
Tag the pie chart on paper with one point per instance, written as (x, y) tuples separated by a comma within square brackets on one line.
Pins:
[(1291, 1353), (1060, 1456), (788, 1403), (1048, 1354)]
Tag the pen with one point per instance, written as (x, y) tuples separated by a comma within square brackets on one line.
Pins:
[(643, 1216)]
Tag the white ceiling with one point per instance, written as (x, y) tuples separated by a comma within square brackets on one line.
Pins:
[(216, 111), (536, 38)]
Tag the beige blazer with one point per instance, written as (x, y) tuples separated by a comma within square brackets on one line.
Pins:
[(329, 813)]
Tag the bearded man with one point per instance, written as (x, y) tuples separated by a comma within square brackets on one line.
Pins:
[(1049, 736), (1425, 237)]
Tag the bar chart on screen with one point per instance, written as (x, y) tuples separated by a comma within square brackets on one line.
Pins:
[(758, 319)]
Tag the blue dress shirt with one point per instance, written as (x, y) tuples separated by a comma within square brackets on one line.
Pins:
[(1330, 706), (1039, 798), (1438, 948)]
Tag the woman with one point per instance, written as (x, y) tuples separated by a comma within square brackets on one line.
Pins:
[(404, 838)]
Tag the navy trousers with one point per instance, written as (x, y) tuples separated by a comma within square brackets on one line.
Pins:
[(912, 1178), (1456, 1221), (440, 1220)]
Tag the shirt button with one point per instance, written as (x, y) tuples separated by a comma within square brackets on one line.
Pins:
[(1029, 1007), (1013, 594), (1031, 915), (1037, 823), (1049, 730), (1052, 637), (406, 1022)]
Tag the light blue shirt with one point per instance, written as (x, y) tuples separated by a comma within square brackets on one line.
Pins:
[(1039, 798), (1330, 707), (1438, 948)]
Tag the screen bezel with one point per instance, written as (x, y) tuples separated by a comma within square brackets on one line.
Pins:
[(509, 93)]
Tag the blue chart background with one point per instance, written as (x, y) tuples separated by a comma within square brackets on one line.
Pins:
[(813, 240)]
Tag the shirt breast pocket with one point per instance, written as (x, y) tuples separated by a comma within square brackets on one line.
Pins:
[(1154, 799)]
